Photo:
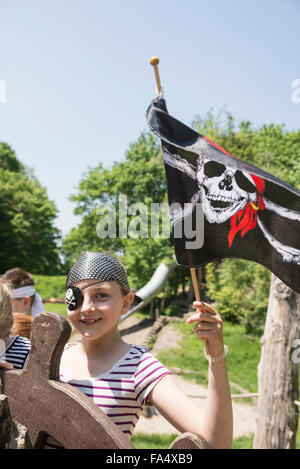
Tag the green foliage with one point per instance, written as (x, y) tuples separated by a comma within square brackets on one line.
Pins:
[(142, 256), (241, 290), (56, 308), (8, 159), (175, 307), (27, 236), (269, 147), (243, 442), (50, 286)]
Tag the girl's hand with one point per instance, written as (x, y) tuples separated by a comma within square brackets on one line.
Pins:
[(209, 327)]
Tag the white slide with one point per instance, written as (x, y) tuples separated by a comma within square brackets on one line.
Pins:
[(152, 288)]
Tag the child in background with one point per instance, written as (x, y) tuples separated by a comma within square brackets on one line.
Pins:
[(121, 378), (14, 351), (24, 297)]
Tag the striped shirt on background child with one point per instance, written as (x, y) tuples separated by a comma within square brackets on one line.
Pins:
[(17, 352)]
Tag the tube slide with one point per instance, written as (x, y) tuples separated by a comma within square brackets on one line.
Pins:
[(152, 288)]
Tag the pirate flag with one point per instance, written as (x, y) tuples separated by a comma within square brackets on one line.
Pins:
[(247, 213)]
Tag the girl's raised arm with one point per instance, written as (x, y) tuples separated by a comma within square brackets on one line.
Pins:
[(214, 422)]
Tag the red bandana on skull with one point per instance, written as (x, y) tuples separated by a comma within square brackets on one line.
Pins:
[(246, 219)]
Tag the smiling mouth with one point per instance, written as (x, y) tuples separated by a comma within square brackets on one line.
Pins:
[(89, 322)]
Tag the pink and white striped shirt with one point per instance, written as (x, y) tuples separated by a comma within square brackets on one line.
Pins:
[(122, 391)]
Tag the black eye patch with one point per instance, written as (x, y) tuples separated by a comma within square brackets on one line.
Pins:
[(74, 298), (212, 169), (243, 182)]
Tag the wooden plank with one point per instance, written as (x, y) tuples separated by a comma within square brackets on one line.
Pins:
[(189, 441), (46, 406)]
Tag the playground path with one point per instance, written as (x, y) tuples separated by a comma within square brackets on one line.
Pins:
[(135, 331)]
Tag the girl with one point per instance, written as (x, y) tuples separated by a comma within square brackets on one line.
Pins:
[(121, 378)]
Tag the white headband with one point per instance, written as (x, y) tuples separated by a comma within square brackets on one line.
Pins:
[(23, 291), (37, 306)]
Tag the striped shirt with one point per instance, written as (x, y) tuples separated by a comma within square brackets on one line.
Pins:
[(17, 352), (121, 393)]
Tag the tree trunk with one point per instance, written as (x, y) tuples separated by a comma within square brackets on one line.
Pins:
[(277, 419)]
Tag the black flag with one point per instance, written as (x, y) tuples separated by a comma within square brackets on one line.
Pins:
[(247, 213)]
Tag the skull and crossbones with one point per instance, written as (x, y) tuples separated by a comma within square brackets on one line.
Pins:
[(226, 193), (73, 298), (70, 298)]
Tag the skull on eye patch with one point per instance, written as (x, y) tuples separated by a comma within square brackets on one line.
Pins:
[(74, 298)]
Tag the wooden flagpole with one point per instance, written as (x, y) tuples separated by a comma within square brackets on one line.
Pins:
[(154, 61)]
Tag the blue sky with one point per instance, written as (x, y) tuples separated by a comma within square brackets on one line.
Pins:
[(78, 79)]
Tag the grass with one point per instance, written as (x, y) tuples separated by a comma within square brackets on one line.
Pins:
[(56, 308), (52, 287), (243, 442), (152, 441), (242, 359)]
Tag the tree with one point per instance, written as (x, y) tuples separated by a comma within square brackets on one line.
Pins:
[(27, 235), (277, 419), (9, 160), (269, 147)]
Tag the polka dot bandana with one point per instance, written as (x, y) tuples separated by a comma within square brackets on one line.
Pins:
[(100, 266)]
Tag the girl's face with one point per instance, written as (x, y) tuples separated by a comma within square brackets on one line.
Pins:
[(103, 303)]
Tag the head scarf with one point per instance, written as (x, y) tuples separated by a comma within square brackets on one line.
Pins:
[(95, 265)]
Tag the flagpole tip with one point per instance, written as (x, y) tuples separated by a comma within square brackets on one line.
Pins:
[(154, 61)]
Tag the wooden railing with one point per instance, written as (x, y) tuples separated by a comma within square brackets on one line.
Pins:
[(45, 406)]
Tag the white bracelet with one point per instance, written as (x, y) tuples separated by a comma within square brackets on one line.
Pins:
[(216, 359)]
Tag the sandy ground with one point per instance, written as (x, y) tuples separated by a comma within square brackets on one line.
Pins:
[(244, 415)]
